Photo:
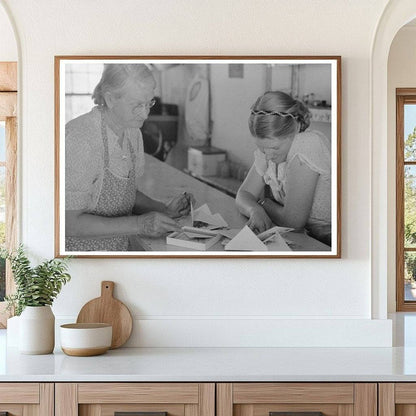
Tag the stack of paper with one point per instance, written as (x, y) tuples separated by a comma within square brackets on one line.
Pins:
[(216, 228)]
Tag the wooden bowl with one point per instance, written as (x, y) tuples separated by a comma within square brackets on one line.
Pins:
[(84, 340)]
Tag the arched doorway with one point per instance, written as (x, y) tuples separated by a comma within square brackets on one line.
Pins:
[(396, 14)]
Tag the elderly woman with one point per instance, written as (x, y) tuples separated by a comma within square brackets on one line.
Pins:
[(104, 162)]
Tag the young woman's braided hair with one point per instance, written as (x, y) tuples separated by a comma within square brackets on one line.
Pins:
[(276, 114), (115, 77)]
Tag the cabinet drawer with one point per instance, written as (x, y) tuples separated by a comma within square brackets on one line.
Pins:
[(19, 393), (106, 399), (296, 399), (138, 393), (21, 399)]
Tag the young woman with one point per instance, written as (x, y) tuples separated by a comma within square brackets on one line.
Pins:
[(289, 183)]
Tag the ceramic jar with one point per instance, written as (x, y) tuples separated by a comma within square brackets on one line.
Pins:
[(37, 330)]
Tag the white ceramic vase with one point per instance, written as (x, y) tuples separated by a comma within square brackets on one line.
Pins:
[(37, 330)]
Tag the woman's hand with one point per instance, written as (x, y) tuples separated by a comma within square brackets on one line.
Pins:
[(180, 205), (258, 220), (155, 224)]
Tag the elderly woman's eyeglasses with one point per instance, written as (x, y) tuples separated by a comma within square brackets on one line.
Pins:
[(142, 106)]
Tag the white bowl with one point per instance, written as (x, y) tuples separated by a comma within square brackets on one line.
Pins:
[(83, 340)]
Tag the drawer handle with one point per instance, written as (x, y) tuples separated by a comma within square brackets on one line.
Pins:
[(296, 414), (139, 414)]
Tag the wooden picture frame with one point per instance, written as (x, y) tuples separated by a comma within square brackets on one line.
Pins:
[(404, 292), (197, 141)]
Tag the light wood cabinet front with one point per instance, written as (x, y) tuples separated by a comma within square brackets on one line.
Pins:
[(331, 399), (27, 399), (106, 399), (397, 399)]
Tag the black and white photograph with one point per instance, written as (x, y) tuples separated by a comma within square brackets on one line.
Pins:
[(197, 156)]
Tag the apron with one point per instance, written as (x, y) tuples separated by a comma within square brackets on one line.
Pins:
[(116, 199)]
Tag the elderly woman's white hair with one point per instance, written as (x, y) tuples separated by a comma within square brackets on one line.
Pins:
[(115, 77)]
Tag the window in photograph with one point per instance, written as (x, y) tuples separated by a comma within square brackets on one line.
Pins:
[(406, 200)]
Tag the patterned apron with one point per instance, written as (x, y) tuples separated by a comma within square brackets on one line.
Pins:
[(116, 199)]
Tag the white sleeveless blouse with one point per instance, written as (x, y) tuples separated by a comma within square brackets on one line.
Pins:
[(314, 149)]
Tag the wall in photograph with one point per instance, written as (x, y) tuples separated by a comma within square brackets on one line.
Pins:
[(235, 102), (245, 302)]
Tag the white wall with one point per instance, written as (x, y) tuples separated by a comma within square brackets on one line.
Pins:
[(8, 47), (401, 74), (182, 301)]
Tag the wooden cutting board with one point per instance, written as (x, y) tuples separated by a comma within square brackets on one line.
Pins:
[(107, 309)]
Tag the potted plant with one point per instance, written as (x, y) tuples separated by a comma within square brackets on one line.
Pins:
[(36, 289)]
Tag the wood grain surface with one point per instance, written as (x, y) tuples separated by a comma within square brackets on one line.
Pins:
[(27, 393), (386, 399), (47, 401), (207, 399), (111, 409), (365, 399), (224, 399), (405, 393), (66, 399), (252, 393), (8, 76), (8, 105), (110, 393), (107, 309)]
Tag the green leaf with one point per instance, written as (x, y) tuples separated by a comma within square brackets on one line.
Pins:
[(35, 286)]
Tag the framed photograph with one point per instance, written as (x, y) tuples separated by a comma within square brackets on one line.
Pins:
[(174, 156)]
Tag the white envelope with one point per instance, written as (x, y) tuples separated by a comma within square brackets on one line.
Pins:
[(204, 214), (278, 244), (245, 240)]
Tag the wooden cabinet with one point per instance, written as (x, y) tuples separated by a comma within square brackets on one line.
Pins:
[(207, 399), (397, 399), (262, 399), (27, 399), (105, 399)]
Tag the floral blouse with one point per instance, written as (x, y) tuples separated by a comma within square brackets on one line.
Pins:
[(84, 159)]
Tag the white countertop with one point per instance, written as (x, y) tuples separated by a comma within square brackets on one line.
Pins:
[(222, 364), (213, 364)]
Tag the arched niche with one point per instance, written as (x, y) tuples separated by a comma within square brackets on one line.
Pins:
[(396, 14), (9, 58), (8, 44)]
